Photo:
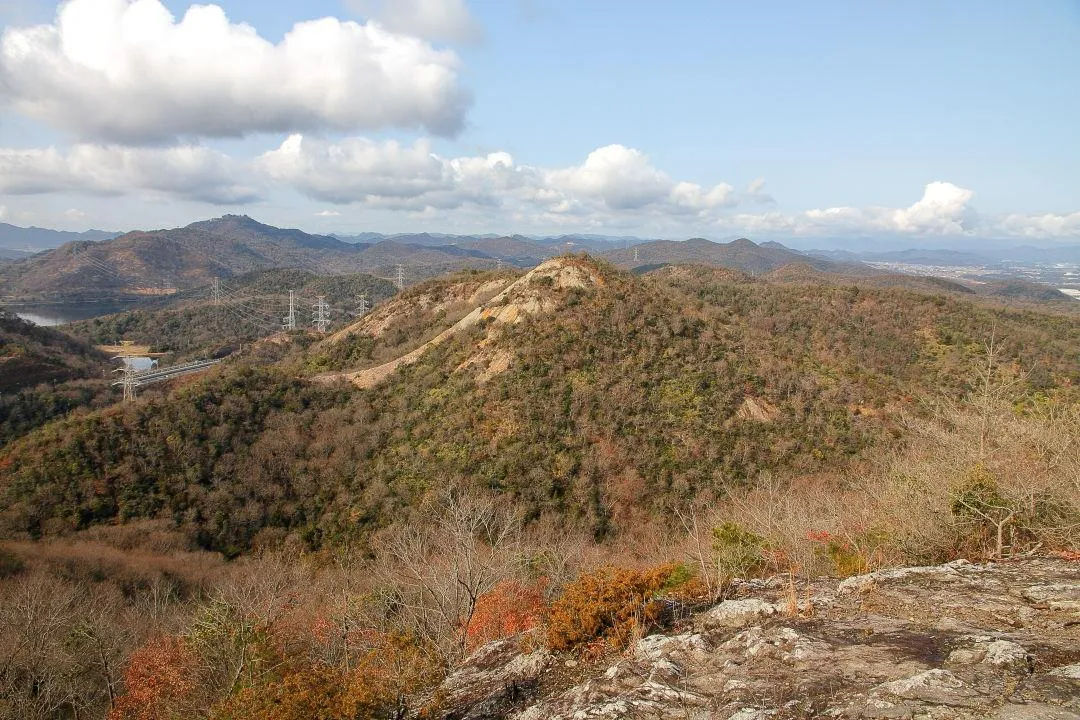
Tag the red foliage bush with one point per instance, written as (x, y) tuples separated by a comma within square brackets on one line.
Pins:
[(158, 682), (508, 609)]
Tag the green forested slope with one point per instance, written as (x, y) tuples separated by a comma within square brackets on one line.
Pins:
[(253, 306), (621, 397), (44, 374)]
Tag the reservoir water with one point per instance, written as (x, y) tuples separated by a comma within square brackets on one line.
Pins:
[(50, 314), (140, 363)]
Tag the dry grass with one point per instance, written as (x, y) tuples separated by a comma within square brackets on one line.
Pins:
[(902, 506)]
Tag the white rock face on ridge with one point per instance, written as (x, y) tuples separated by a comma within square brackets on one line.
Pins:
[(530, 294)]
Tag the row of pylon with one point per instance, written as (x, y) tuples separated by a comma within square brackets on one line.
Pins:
[(321, 309), (320, 312)]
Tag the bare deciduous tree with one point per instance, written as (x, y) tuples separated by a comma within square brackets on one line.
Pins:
[(433, 570)]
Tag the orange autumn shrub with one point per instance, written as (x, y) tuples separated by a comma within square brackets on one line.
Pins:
[(159, 682), (612, 604), (508, 609), (303, 690), (378, 685), (396, 668)]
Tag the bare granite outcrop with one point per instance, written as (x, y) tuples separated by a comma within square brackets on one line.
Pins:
[(957, 641)]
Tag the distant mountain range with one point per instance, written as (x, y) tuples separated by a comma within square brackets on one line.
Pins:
[(944, 256), (148, 264), (158, 263), (561, 242), (18, 241), (741, 254)]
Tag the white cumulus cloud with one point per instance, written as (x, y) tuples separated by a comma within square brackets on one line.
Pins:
[(613, 180), (943, 210), (388, 174), (755, 192), (621, 177), (127, 71), (447, 20), (1042, 226), (187, 172), (392, 175)]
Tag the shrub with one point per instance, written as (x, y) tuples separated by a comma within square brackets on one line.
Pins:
[(612, 604), (310, 690), (1007, 516), (978, 499), (507, 609), (980, 506), (378, 686), (9, 564), (158, 682), (852, 555), (739, 552)]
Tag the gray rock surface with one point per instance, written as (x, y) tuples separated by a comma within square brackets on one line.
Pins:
[(958, 642)]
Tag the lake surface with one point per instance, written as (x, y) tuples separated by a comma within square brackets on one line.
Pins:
[(50, 314)]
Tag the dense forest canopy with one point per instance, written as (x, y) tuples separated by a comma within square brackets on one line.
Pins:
[(623, 396)]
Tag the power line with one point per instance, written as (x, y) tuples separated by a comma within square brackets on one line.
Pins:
[(84, 256), (249, 304), (263, 322), (244, 309)]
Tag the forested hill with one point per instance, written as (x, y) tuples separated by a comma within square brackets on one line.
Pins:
[(146, 264), (30, 355), (741, 254), (580, 390), (150, 265), (192, 325), (44, 373)]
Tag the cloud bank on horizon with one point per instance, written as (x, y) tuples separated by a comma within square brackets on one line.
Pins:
[(140, 96)]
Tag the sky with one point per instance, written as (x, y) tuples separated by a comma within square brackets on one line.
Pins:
[(912, 122)]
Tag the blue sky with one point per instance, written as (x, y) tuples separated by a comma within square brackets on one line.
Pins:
[(912, 121)]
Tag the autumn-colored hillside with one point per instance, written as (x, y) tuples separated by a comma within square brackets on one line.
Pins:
[(579, 390), (569, 458)]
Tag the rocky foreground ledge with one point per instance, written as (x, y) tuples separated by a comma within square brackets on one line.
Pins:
[(960, 640)]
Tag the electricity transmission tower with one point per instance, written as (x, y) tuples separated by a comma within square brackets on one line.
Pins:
[(322, 314), (362, 307), (215, 288), (399, 280), (128, 380), (635, 255), (290, 319)]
